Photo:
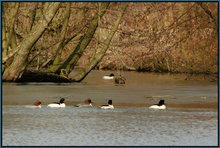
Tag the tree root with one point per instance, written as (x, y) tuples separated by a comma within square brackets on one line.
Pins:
[(39, 76)]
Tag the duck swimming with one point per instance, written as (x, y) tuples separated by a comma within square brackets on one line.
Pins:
[(37, 104), (109, 106), (87, 103), (120, 80), (160, 105), (111, 76), (58, 104)]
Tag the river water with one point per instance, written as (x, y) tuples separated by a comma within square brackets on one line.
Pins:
[(190, 120)]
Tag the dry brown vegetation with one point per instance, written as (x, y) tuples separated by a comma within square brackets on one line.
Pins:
[(166, 37), (152, 36)]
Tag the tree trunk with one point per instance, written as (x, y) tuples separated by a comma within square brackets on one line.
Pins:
[(209, 13), (7, 36), (76, 54), (83, 73), (62, 37), (20, 62)]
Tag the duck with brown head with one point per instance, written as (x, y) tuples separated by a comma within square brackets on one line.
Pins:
[(87, 103), (37, 104)]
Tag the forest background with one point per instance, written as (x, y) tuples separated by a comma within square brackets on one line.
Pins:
[(50, 39)]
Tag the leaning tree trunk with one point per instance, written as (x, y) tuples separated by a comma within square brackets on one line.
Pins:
[(97, 58), (77, 53), (20, 61), (62, 37), (8, 34)]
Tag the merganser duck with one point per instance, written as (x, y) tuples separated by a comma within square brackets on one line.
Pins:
[(87, 103), (58, 104), (109, 106), (160, 105), (120, 80), (37, 104), (111, 76)]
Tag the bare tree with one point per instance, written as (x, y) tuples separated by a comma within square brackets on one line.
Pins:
[(20, 61), (83, 73), (53, 38), (8, 32), (72, 59)]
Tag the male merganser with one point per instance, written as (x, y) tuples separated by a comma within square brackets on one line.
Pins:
[(37, 104), (109, 106), (111, 76), (160, 105), (58, 104), (87, 103)]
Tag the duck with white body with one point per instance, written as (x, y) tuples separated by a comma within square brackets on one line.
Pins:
[(109, 106), (110, 77), (58, 104), (160, 105)]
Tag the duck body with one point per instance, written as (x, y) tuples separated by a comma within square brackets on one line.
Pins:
[(120, 80), (33, 106), (109, 106), (58, 104), (83, 105), (111, 76), (160, 105)]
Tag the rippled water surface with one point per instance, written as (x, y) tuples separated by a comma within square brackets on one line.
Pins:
[(122, 126), (118, 127)]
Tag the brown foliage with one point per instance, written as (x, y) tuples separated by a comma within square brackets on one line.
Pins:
[(172, 37), (153, 36)]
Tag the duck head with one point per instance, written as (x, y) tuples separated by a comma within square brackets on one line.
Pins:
[(111, 75), (110, 102), (88, 101), (62, 100), (161, 102), (37, 103)]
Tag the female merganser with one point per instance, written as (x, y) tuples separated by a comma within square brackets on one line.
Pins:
[(87, 103), (37, 104), (109, 106), (111, 76), (58, 104), (120, 80), (160, 105)]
